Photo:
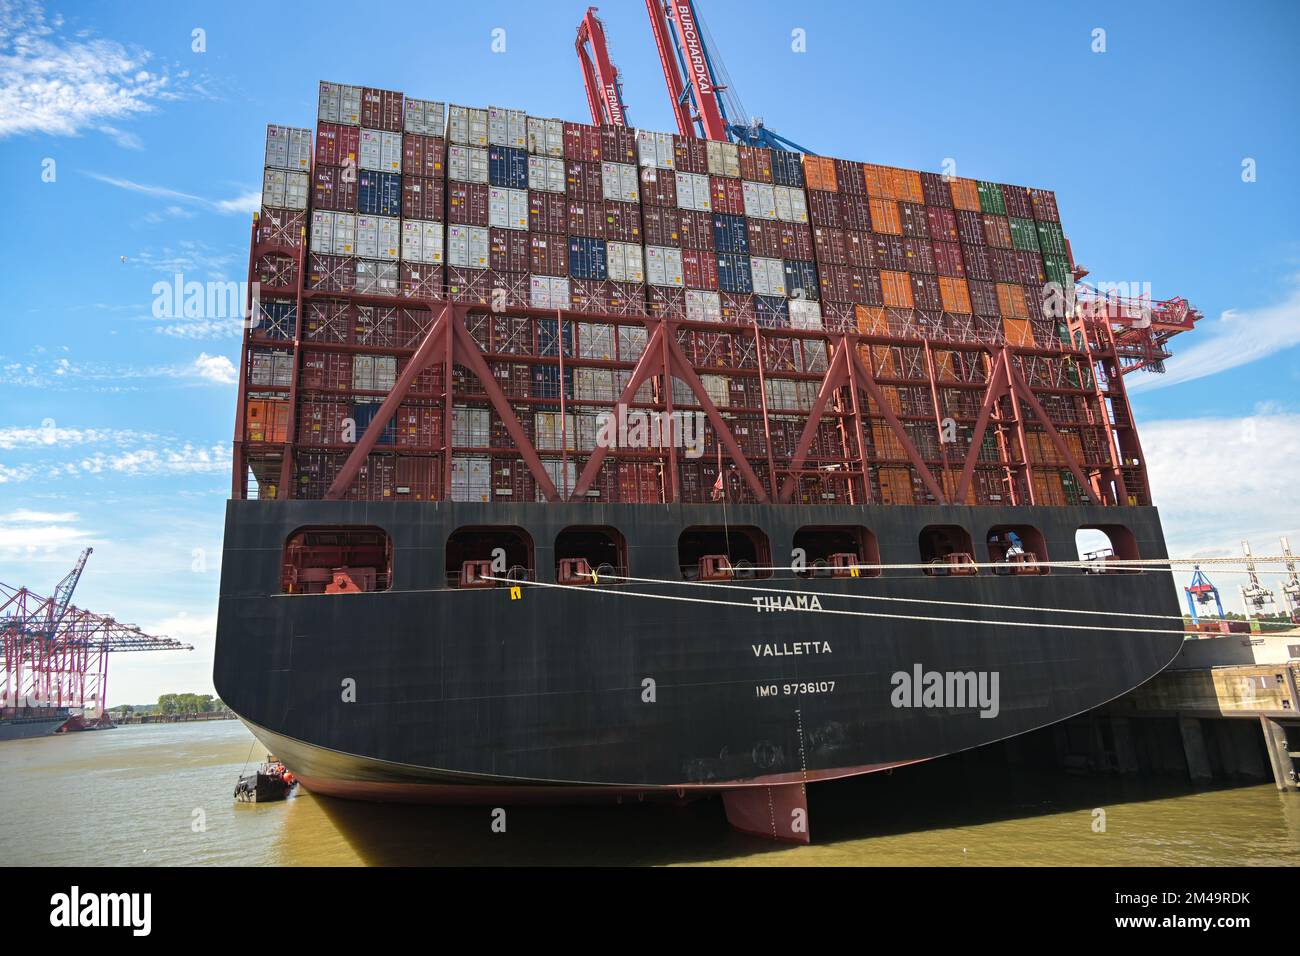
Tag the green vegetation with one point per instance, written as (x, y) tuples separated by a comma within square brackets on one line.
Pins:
[(172, 704)]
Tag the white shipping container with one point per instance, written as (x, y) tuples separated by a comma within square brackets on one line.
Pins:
[(768, 276), (626, 262), (426, 117), (595, 341), (507, 127), (378, 237), (693, 192), (654, 149), (631, 343), (471, 480), (723, 159), (467, 246), (377, 277), (467, 164), (564, 478), (340, 103), (814, 353), (380, 150), (703, 306), (805, 314), (548, 292), (471, 426), (620, 181), (718, 388), (422, 241), (546, 174), (467, 126), (284, 189), (791, 206), (288, 148), (546, 137), (546, 431), (333, 233), (760, 200), (508, 208), (663, 266)]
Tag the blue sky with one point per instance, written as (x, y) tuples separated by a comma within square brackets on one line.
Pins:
[(115, 426)]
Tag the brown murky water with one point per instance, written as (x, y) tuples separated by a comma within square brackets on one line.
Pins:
[(161, 795)]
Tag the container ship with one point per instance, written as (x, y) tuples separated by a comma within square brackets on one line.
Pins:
[(588, 463)]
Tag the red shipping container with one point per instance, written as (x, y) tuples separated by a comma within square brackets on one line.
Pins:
[(583, 181), (591, 144), (1029, 267), (920, 255), (334, 188), (942, 224), (983, 297), (582, 142), (417, 478), (832, 284), (829, 245), (824, 209), (690, 155), (978, 263), (667, 303), (467, 204), (422, 155), (421, 281), (857, 247), (547, 212), (1018, 202), (332, 273), (326, 370), (764, 238), (658, 186), (695, 230), (622, 221), (661, 226), (935, 190), (727, 195), (997, 231), (700, 270), (887, 252), (618, 144), (1005, 267), (970, 228), (915, 220), (336, 144), (755, 164), (586, 219), (852, 176), (381, 109), (861, 284), (796, 240), (508, 250), (947, 259), (589, 295), (925, 292), (738, 307), (1044, 205), (422, 198), (855, 211), (469, 285)]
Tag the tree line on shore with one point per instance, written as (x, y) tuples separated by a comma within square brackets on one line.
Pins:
[(172, 704)]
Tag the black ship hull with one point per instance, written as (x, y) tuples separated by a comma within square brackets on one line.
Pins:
[(657, 687)]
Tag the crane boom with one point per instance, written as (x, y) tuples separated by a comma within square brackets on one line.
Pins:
[(599, 75)]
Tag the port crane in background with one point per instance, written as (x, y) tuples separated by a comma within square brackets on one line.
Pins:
[(1201, 591), (54, 655), (1291, 587), (1253, 594), (704, 102)]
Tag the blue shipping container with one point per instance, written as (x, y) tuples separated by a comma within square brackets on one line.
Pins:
[(787, 168), (733, 272), (546, 337), (773, 311), (730, 234), (587, 258), (801, 274), (363, 413), (546, 384), (508, 167), (379, 194)]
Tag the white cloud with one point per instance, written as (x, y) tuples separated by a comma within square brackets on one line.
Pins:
[(1218, 481), (1235, 338), (246, 202), (63, 85), (27, 532), (26, 516), (215, 368)]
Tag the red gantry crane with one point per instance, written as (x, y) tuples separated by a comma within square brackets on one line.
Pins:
[(54, 656)]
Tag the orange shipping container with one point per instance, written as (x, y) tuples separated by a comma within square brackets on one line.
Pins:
[(896, 288), (819, 171), (1011, 301), (879, 183), (907, 185), (895, 486), (879, 359), (955, 294), (255, 420), (871, 320), (884, 217), (965, 194), (1017, 331)]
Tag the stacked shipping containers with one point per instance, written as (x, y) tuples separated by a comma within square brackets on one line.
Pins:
[(756, 255)]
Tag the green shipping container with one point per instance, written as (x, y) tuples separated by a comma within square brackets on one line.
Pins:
[(991, 198), (1023, 234), (1051, 238), (1058, 270)]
